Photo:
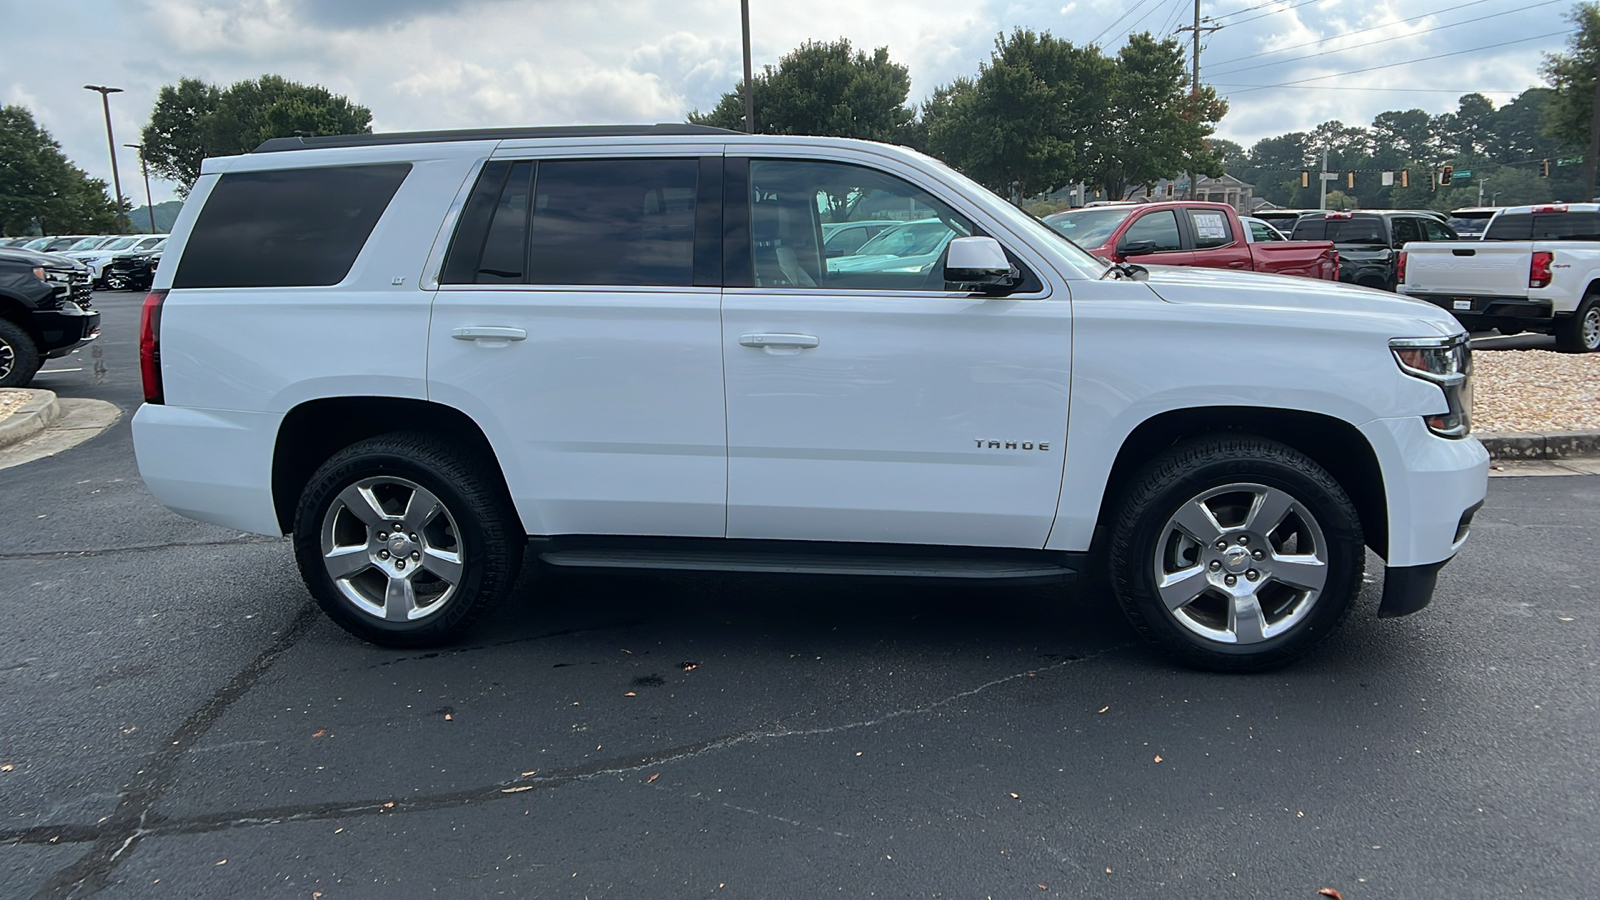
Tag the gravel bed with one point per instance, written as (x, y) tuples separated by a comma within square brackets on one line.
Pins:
[(11, 400), (1535, 391)]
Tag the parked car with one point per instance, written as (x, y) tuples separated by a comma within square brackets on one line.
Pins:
[(1369, 241), (54, 243), (97, 259), (1190, 233), (1470, 222), (133, 271), (905, 247), (846, 238), (625, 344), (45, 312), (1282, 219), (11, 242), (1258, 231), (1537, 268)]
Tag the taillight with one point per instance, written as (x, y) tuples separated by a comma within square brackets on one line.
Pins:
[(150, 346), (1551, 208), (1539, 269), (1400, 268)]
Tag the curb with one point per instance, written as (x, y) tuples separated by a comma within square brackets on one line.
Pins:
[(35, 416), (1551, 445)]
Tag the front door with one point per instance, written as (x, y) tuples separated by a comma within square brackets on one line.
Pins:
[(867, 400), (577, 325)]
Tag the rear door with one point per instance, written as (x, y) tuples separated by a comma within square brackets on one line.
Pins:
[(881, 405), (577, 322), (1216, 245)]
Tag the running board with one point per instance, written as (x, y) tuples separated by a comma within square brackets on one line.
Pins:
[(809, 564)]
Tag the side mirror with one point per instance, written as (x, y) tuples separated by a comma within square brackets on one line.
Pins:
[(1136, 248), (980, 262)]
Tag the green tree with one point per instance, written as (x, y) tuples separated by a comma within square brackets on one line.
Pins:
[(193, 120), (1572, 77), (1024, 125), (1152, 126), (825, 89), (40, 189), (1410, 132)]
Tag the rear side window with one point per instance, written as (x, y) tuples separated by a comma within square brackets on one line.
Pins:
[(1211, 229), (1571, 226), (1436, 231), (1406, 230), (288, 228), (1310, 228)]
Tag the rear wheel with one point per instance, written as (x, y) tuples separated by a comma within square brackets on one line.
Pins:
[(1580, 332), (1236, 553), (19, 356), (405, 540)]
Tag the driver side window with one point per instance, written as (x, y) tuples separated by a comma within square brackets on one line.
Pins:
[(1160, 226), (797, 206)]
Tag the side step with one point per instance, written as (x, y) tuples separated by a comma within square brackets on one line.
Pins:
[(777, 562)]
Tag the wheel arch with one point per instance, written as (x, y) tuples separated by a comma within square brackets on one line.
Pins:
[(316, 429), (1332, 443), (17, 313)]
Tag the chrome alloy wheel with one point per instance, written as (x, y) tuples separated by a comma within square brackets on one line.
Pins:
[(1241, 563), (392, 549), (1589, 331), (8, 358)]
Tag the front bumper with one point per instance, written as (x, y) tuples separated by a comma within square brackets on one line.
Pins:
[(63, 330)]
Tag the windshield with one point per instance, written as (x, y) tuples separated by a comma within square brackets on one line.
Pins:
[(88, 243), (912, 239), (119, 244), (1090, 227), (1087, 264)]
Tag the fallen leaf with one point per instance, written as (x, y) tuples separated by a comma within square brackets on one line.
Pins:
[(517, 789), (630, 694), (448, 717), (1014, 796), (1564, 618), (389, 805), (688, 666), (319, 732), (1331, 892), (7, 767), (529, 772), (652, 778), (1043, 888), (1158, 757), (1104, 708), (627, 651), (222, 862)]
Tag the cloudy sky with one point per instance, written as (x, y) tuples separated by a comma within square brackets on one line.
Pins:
[(423, 64)]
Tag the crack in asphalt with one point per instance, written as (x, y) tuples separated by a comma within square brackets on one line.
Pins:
[(139, 548), (135, 819)]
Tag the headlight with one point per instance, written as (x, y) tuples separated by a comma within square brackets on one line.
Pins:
[(1446, 362)]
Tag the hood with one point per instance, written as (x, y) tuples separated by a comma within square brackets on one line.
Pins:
[(1184, 284), (49, 260)]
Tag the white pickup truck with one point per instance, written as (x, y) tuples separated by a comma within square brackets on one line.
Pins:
[(1536, 269)]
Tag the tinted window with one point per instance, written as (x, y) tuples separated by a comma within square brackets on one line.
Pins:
[(1406, 230), (1160, 226), (1570, 226), (1211, 228), (614, 221), (294, 227), (504, 259), (1310, 228), (1263, 233), (1436, 231), (791, 201), (1090, 228), (1515, 227), (1356, 230)]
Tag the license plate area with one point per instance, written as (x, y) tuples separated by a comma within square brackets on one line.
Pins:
[(1461, 304)]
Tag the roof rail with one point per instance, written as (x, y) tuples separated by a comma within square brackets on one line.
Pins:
[(317, 142)]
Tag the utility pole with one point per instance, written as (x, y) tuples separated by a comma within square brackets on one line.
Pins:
[(1194, 80), (111, 142), (1592, 164), (149, 204), (749, 98), (1322, 181), (1481, 182)]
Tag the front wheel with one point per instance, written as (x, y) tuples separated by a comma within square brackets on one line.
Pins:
[(405, 540), (1580, 332), (19, 356), (1236, 553)]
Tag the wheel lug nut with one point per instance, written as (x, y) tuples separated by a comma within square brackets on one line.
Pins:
[(383, 535), (1222, 544), (1244, 539), (413, 536), (1252, 574), (1215, 565), (416, 554), (383, 554), (1232, 580), (1257, 554), (399, 564)]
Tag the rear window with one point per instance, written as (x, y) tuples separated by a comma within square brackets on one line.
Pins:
[(288, 228), (1354, 230), (1510, 227)]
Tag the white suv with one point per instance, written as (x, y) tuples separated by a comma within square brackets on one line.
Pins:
[(419, 352)]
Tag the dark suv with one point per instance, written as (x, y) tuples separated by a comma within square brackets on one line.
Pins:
[(44, 312), (1369, 241)]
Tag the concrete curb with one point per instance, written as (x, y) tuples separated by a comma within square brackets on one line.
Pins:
[(1552, 445), (39, 413)]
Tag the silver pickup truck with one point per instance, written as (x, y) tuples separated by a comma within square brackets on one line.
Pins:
[(1536, 269)]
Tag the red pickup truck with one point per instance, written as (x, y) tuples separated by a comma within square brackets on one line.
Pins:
[(1190, 233)]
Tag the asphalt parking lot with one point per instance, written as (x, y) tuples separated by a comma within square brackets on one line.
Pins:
[(181, 721)]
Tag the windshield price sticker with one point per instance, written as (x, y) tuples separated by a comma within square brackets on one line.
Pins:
[(1210, 226)]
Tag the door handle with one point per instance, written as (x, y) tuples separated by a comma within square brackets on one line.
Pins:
[(1237, 264), (489, 335), (779, 341)]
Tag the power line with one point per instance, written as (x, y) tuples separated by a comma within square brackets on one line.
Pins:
[(1247, 9), (1127, 12), (1353, 33), (1386, 40), (1262, 87), (1274, 12), (1387, 90), (1155, 7)]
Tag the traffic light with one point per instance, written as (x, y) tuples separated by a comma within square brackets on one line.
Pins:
[(1445, 173), (1305, 178), (1350, 179), (1405, 178), (1544, 168)]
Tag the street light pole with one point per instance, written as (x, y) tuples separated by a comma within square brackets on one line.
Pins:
[(149, 204), (749, 98), (111, 144)]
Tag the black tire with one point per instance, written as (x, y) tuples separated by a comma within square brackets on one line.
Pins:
[(477, 525), (1239, 470), (1580, 332), (19, 356)]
